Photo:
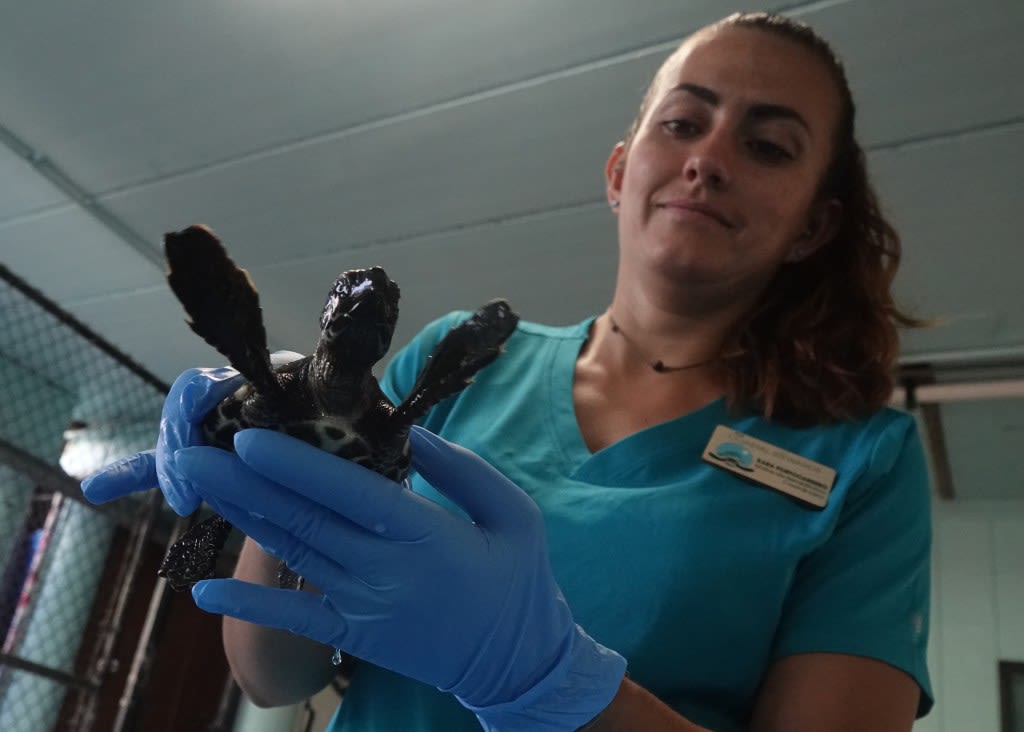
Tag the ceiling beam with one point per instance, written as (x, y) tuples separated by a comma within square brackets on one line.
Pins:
[(69, 187)]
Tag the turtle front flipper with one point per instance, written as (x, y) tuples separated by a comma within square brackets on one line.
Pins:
[(193, 556), (464, 350), (221, 302)]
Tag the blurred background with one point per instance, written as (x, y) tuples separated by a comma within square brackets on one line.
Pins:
[(461, 146)]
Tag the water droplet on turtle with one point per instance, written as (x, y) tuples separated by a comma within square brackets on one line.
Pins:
[(338, 658)]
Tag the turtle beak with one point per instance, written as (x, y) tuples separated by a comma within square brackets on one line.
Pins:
[(378, 292)]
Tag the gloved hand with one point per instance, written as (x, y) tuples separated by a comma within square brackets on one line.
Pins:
[(193, 394), (470, 607)]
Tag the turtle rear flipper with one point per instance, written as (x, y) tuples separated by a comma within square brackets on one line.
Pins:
[(287, 579), (193, 556), (450, 367), (221, 302)]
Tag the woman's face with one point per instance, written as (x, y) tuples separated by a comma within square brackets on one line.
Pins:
[(718, 186)]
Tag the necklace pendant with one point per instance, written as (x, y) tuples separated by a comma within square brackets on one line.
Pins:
[(659, 365)]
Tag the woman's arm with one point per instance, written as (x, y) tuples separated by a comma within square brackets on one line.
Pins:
[(636, 708), (810, 692), (273, 667), (821, 692)]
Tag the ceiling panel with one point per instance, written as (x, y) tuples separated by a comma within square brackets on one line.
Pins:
[(534, 147), (211, 82), (25, 193), (922, 68), (70, 257), (492, 159), (127, 92), (957, 205)]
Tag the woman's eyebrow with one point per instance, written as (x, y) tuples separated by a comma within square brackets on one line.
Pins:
[(701, 92), (759, 112)]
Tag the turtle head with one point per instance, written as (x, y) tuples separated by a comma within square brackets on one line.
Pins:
[(359, 318)]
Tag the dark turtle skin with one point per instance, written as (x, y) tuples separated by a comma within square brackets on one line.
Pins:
[(330, 399)]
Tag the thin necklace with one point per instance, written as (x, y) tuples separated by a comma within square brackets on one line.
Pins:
[(657, 365)]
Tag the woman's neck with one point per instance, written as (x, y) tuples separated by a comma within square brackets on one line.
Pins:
[(617, 392), (638, 333)]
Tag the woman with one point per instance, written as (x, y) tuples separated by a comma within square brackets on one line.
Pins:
[(724, 499)]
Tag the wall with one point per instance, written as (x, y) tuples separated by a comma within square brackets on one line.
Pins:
[(978, 611)]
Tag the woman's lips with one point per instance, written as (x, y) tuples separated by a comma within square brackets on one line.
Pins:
[(699, 208)]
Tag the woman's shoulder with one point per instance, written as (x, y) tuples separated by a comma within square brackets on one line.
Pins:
[(870, 428), (866, 447)]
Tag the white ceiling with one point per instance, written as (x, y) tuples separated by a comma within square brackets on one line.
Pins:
[(460, 144)]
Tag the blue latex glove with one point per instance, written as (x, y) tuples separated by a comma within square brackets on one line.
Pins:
[(470, 607), (193, 394)]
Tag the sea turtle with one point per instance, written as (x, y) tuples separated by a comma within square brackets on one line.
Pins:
[(331, 398)]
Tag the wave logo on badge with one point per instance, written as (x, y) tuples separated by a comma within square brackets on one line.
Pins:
[(734, 454)]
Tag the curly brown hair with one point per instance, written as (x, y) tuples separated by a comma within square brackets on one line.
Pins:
[(821, 343)]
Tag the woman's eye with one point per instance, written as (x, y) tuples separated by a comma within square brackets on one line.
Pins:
[(769, 152), (680, 127)]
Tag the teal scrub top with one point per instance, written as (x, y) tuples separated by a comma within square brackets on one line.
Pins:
[(700, 578)]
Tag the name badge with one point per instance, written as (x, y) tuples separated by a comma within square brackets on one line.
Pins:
[(748, 457)]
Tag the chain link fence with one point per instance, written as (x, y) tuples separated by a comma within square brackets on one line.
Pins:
[(69, 404)]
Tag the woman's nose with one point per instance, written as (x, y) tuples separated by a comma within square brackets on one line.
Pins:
[(707, 171), (706, 164)]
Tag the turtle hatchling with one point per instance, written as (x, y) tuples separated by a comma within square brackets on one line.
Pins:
[(329, 399)]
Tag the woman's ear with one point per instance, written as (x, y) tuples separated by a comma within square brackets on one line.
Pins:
[(822, 227), (613, 171)]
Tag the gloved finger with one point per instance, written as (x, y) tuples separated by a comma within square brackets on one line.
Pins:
[(178, 492), (312, 539), (196, 391), (300, 612), (357, 493), (128, 475), (488, 497), (302, 559)]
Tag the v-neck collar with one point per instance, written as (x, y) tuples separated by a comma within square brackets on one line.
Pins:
[(619, 462)]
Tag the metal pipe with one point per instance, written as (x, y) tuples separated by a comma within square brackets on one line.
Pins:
[(227, 706), (966, 391), (89, 203), (50, 478), (157, 603), (109, 627), (968, 356), (938, 452), (22, 664), (26, 601)]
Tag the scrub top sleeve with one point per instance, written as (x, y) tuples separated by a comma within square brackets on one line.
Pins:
[(865, 590)]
